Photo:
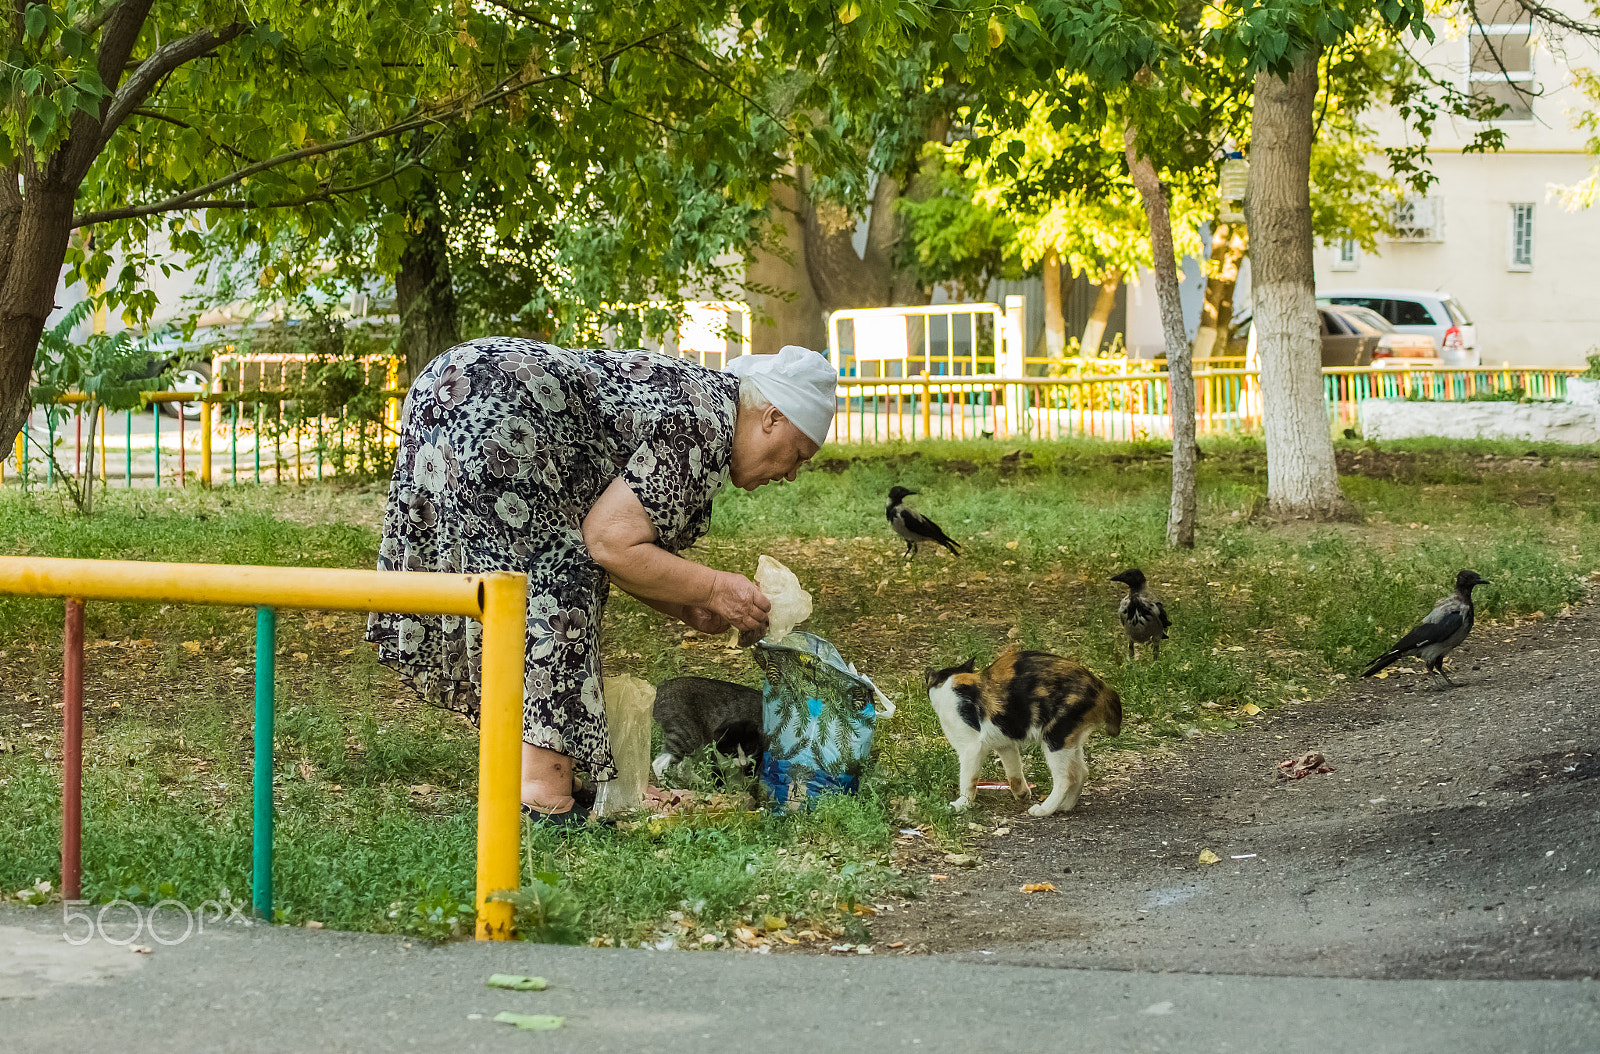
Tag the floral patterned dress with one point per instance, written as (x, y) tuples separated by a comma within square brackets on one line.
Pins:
[(505, 445)]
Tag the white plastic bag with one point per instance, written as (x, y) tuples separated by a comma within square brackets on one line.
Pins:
[(791, 605), (629, 702)]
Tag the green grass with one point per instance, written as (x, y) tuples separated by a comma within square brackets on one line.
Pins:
[(375, 791)]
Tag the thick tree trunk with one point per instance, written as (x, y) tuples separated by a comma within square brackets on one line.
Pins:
[(772, 272), (1180, 372), (1055, 321), (33, 245), (1094, 331), (1216, 312), (1302, 478), (840, 277), (424, 293)]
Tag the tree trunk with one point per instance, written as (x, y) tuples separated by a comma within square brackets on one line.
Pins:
[(1180, 372), (1055, 322), (1094, 331), (842, 278), (1302, 478), (424, 293), (33, 245), (1216, 312)]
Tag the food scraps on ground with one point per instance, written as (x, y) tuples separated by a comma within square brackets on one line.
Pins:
[(1208, 857), (517, 982), (1305, 765)]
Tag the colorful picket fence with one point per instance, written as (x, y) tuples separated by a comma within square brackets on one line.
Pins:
[(1130, 406)]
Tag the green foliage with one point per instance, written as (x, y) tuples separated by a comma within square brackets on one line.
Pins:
[(544, 912), (1592, 373), (110, 368), (441, 914)]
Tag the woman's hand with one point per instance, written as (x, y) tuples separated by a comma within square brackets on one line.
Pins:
[(739, 602), (704, 620)]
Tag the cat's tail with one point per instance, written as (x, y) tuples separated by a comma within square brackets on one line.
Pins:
[(1113, 705)]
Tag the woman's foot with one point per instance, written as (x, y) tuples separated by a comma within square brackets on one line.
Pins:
[(571, 815)]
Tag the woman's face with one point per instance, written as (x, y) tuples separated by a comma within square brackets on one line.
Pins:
[(767, 447)]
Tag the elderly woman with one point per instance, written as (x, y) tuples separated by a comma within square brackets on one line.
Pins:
[(581, 469)]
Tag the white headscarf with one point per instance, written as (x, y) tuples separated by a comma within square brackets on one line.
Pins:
[(799, 382)]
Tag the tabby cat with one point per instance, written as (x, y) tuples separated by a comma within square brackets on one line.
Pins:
[(1023, 695), (694, 712)]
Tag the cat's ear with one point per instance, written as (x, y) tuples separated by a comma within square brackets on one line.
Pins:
[(970, 666)]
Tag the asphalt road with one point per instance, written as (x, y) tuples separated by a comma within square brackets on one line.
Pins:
[(261, 989)]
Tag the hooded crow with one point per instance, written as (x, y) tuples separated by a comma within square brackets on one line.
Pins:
[(1446, 626), (914, 527), (1141, 614)]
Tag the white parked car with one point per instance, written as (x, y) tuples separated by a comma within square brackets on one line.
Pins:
[(1438, 315)]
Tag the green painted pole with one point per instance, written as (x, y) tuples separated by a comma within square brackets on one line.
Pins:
[(261, 849)]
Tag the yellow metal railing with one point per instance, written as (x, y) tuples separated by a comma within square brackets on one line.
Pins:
[(497, 599)]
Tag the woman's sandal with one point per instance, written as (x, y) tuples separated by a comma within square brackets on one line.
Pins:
[(573, 817)]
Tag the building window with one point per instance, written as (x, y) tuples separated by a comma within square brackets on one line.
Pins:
[(1521, 236), (1500, 58), (1347, 255), (1418, 219)]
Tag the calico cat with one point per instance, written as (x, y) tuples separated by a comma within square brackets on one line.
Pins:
[(1023, 695), (696, 711)]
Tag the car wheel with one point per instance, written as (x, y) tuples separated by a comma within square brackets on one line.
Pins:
[(189, 377)]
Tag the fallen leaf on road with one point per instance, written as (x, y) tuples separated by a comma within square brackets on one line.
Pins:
[(530, 1021), (772, 923), (1251, 708), (1208, 857), (517, 982), (191, 645), (1039, 887)]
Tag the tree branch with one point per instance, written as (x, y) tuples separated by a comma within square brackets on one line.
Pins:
[(157, 115), (529, 16), (191, 198), (161, 62), (328, 193), (89, 25)]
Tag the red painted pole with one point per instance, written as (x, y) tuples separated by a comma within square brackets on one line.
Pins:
[(72, 755)]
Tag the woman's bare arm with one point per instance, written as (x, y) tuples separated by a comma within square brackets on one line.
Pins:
[(622, 540)]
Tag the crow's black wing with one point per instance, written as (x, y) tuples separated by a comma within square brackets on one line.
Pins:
[(1439, 626), (1161, 613), (921, 525)]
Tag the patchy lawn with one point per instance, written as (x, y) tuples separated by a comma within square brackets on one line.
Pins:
[(376, 791)]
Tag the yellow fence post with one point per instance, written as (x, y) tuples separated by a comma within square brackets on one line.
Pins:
[(505, 620), (205, 442)]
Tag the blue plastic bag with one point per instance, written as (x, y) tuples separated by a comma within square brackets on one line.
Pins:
[(818, 716)]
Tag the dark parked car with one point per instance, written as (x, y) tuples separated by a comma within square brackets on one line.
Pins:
[(1350, 337)]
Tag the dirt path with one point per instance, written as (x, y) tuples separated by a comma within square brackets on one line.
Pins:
[(1458, 837)]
